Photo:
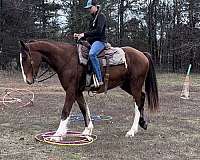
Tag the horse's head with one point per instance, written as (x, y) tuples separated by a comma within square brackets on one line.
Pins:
[(30, 61)]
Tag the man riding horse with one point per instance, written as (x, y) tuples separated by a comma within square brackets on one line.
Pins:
[(96, 36)]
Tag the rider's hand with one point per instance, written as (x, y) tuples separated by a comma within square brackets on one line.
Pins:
[(80, 35)]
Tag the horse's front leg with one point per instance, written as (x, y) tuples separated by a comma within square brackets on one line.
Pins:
[(62, 129), (86, 114)]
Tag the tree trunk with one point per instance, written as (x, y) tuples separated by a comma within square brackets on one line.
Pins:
[(121, 21)]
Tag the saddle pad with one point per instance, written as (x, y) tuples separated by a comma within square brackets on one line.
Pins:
[(115, 55), (82, 54)]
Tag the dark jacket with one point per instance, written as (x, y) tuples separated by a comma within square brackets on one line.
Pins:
[(97, 28)]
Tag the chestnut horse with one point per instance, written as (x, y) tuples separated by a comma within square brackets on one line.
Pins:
[(63, 58)]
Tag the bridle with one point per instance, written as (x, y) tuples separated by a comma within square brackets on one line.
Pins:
[(35, 77), (32, 63)]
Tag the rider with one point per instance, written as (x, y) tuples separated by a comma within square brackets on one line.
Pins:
[(96, 36)]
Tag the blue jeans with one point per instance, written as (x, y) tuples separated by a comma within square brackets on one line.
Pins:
[(96, 48)]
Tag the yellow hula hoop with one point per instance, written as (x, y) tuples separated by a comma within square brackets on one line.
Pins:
[(43, 137), (66, 144)]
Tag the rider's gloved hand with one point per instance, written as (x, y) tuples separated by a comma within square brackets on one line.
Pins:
[(78, 36)]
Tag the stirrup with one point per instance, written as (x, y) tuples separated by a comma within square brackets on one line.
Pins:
[(93, 85), (96, 84)]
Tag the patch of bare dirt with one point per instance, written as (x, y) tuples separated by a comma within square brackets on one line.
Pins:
[(173, 133)]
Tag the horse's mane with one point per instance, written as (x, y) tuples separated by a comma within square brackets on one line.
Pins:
[(51, 45), (45, 40), (51, 41)]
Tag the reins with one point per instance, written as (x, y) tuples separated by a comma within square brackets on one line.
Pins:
[(44, 73)]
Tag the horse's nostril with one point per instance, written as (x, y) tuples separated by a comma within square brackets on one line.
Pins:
[(28, 82)]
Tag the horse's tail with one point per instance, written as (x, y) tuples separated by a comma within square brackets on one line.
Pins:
[(151, 88)]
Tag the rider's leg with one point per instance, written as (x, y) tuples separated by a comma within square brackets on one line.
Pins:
[(96, 48)]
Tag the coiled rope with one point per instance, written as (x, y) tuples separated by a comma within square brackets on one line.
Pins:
[(16, 96)]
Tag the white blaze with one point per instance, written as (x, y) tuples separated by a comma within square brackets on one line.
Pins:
[(23, 74)]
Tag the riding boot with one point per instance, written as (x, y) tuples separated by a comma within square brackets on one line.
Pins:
[(97, 69)]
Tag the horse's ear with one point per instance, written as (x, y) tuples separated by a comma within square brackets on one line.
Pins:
[(23, 45)]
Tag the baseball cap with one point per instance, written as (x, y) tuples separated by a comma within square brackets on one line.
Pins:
[(90, 3)]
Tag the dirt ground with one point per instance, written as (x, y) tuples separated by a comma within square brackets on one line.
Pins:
[(173, 133)]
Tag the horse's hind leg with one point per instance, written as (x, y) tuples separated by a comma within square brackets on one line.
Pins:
[(134, 128), (86, 112), (142, 122)]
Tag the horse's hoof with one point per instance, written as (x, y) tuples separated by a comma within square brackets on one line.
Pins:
[(131, 133), (86, 133), (145, 126), (89, 138), (143, 123), (54, 139)]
